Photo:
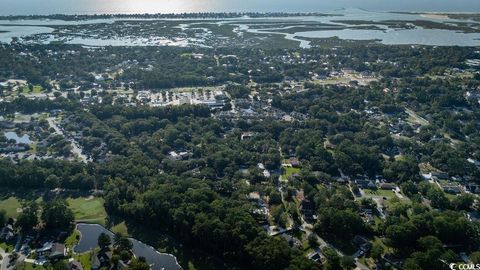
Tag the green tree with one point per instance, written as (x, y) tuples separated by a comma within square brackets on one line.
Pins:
[(402, 170), (60, 265), (28, 218), (402, 235), (3, 217), (104, 240), (269, 253), (438, 198), (52, 181), (463, 201), (333, 260), (57, 215), (347, 262), (377, 251), (139, 264), (339, 223), (121, 242), (275, 198), (312, 241)]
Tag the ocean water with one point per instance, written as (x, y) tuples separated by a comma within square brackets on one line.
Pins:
[(27, 7)]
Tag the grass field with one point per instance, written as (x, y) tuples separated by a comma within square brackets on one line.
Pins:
[(379, 192), (291, 170), (72, 240), (120, 228), (450, 196), (85, 259), (288, 171), (29, 266), (415, 118), (10, 205), (6, 247), (89, 210), (36, 89), (336, 80)]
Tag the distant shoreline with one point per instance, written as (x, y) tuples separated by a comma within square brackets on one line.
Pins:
[(435, 16), (435, 13), (206, 15), (215, 15)]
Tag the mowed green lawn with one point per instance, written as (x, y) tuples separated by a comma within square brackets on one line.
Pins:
[(36, 89), (29, 266), (379, 192), (10, 205), (120, 228), (89, 210), (288, 171), (85, 259)]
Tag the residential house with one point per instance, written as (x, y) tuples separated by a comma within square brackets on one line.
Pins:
[(308, 209), (451, 189), (439, 175), (179, 155), (292, 241), (367, 75), (387, 186), (7, 233), (390, 260), (317, 256), (472, 188), (75, 265), (52, 251), (367, 215), (293, 161), (101, 260), (363, 243), (361, 183)]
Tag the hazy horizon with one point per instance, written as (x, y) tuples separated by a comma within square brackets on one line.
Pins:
[(45, 7)]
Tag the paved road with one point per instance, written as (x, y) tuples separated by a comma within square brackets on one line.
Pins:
[(232, 104), (76, 149), (5, 260), (378, 201), (307, 228)]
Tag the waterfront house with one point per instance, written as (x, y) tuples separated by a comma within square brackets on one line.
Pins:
[(75, 265), (52, 251), (101, 260)]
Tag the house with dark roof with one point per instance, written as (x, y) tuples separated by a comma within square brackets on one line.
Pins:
[(361, 183), (387, 186), (439, 175), (472, 188), (7, 233), (451, 189), (308, 209), (101, 260), (292, 241), (52, 251), (317, 256), (75, 265)]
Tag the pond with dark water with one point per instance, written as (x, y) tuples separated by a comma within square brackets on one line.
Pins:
[(158, 261)]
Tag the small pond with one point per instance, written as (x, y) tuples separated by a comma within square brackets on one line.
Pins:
[(18, 139), (89, 236)]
